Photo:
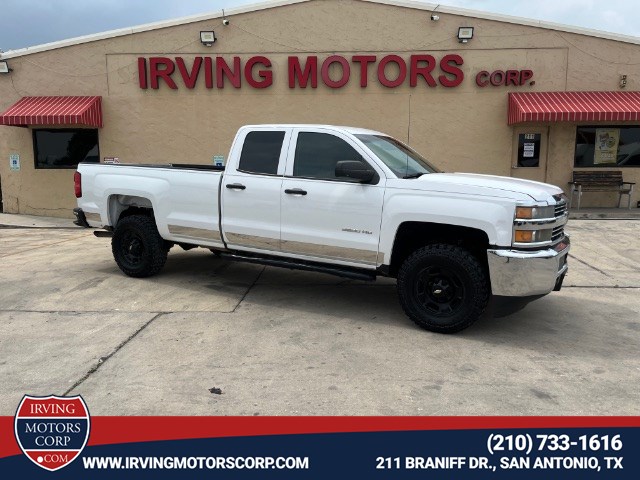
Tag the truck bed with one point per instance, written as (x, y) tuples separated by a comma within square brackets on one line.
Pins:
[(178, 166), (184, 197)]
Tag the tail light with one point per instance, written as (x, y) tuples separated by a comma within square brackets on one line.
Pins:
[(77, 184)]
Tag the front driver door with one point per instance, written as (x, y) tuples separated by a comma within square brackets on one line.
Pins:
[(325, 217)]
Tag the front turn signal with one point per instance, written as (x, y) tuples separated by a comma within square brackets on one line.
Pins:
[(524, 236), (524, 212)]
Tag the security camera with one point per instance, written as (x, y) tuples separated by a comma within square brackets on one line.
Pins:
[(225, 21), (434, 17)]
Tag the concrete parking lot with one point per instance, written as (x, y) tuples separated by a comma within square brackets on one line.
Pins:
[(277, 342)]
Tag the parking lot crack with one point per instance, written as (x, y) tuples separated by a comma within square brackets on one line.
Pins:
[(30, 227), (248, 289), (602, 286), (103, 360), (41, 246), (590, 266)]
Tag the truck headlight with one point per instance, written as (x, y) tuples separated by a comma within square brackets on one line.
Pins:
[(532, 236), (533, 213)]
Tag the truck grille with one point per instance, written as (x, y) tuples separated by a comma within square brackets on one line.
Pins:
[(561, 206), (559, 212), (550, 230), (557, 233)]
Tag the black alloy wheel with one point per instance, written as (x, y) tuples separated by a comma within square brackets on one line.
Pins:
[(439, 290), (132, 249), (137, 247), (443, 288)]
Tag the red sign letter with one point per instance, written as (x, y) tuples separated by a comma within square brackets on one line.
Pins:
[(497, 78), (208, 72), (525, 75), (402, 67), (223, 70), (446, 67), (364, 61), (513, 77), (266, 75), (189, 79), (481, 78), (302, 76), (424, 72), (142, 72), (165, 73), (346, 71)]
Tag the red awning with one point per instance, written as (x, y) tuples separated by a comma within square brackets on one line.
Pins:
[(54, 111), (574, 107)]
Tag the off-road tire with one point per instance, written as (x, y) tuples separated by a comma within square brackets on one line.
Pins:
[(137, 247), (443, 288)]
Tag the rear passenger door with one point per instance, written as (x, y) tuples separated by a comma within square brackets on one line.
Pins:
[(251, 190), (325, 217)]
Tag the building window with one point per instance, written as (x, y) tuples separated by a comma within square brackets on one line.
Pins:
[(261, 152), (605, 146), (318, 153), (65, 148)]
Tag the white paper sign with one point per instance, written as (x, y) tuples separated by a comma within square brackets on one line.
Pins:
[(14, 161)]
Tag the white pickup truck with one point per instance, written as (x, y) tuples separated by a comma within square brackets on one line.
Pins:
[(345, 201)]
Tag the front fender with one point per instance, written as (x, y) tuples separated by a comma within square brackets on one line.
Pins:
[(492, 215)]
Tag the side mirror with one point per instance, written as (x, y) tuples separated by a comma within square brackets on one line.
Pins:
[(356, 169)]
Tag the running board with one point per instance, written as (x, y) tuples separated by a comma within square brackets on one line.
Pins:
[(353, 274), (103, 233)]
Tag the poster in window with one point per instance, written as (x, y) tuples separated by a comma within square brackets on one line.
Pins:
[(529, 149), (606, 147)]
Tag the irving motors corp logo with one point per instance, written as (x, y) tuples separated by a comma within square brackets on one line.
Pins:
[(52, 431)]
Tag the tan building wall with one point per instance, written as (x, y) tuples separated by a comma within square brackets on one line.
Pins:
[(460, 129)]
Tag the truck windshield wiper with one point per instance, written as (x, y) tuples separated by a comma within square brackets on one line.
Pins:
[(414, 175)]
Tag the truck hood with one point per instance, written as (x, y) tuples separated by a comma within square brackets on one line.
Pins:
[(473, 183)]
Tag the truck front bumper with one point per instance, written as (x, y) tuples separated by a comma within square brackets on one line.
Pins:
[(522, 273)]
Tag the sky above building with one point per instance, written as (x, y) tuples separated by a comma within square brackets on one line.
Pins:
[(33, 22)]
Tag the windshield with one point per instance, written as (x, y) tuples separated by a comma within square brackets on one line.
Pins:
[(403, 161)]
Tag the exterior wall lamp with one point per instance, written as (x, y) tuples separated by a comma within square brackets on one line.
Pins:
[(207, 38), (465, 34), (4, 67)]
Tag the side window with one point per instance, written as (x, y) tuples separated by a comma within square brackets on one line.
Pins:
[(318, 153), (65, 148), (261, 152)]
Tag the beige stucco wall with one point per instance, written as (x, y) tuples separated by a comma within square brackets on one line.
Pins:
[(460, 129)]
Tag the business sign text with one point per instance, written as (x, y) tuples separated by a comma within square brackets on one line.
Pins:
[(334, 71)]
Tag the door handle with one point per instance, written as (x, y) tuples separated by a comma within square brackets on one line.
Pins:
[(295, 191), (235, 186)]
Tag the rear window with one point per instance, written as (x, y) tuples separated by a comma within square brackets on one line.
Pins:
[(261, 152)]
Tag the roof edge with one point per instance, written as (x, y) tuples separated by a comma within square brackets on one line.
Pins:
[(280, 3), (146, 27), (529, 22)]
